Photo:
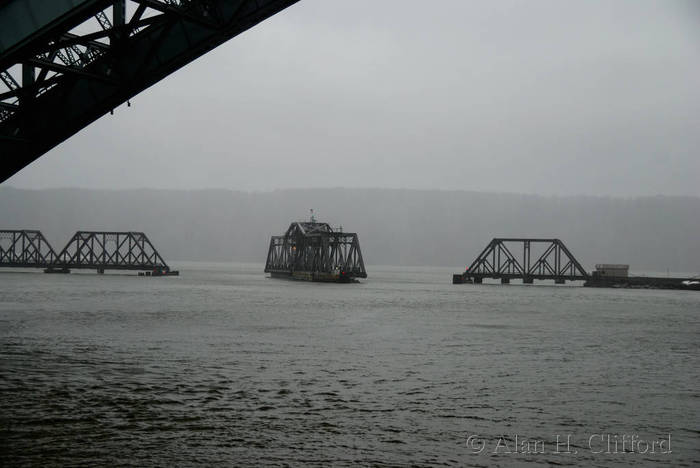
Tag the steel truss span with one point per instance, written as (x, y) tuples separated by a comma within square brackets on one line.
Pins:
[(65, 64), (110, 251), (25, 249), (316, 250), (86, 250), (552, 261)]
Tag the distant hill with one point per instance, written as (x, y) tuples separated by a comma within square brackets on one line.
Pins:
[(396, 227)]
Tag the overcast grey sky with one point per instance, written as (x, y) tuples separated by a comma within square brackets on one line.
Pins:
[(549, 97)]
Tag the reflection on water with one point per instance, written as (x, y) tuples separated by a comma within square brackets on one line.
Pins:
[(222, 365)]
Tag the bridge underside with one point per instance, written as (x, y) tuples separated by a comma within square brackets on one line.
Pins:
[(65, 64)]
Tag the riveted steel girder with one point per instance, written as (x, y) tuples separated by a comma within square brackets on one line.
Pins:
[(59, 73), (315, 248), (554, 261)]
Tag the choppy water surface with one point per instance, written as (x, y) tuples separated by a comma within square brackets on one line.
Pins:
[(222, 365)]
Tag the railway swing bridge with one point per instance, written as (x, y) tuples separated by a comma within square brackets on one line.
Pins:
[(316, 252), (91, 250)]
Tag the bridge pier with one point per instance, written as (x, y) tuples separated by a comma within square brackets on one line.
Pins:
[(505, 280), (560, 281), (478, 280), (528, 280)]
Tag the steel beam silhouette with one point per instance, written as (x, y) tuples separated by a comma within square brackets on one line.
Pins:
[(65, 64), (92, 250), (311, 250), (25, 249), (553, 261), (110, 251)]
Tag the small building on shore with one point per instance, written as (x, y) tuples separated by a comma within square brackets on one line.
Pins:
[(611, 270)]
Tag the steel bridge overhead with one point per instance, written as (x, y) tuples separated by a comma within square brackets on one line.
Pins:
[(66, 63)]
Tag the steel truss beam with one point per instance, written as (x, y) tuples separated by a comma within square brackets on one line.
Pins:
[(498, 261), (86, 250), (315, 247), (25, 249), (81, 64), (110, 251)]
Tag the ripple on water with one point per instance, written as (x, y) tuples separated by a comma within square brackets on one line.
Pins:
[(383, 374)]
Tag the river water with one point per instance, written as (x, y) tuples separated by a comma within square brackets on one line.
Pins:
[(224, 366)]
